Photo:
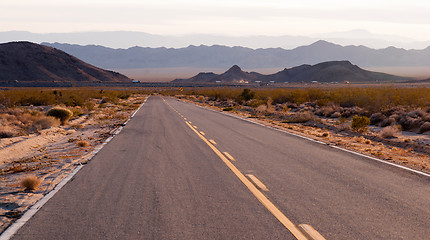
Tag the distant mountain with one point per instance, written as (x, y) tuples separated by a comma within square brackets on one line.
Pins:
[(25, 61), (233, 75), (126, 39), (222, 57), (334, 71)]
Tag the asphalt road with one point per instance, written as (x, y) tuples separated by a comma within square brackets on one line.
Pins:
[(160, 179)]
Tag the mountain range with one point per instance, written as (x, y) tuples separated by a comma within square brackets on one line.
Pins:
[(126, 39), (333, 71), (30, 62), (217, 56)]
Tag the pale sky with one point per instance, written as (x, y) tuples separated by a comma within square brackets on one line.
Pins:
[(406, 18)]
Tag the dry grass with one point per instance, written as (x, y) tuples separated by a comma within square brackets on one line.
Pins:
[(389, 132), (30, 182)]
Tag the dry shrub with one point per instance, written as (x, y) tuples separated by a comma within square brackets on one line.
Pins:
[(89, 105), (336, 115), (30, 182), (201, 99), (82, 143), (360, 124), (325, 134), (326, 111), (63, 114), (261, 108), (389, 132), (425, 127), (377, 118), (409, 123), (270, 108), (416, 113), (301, 117), (45, 122), (388, 122), (426, 118)]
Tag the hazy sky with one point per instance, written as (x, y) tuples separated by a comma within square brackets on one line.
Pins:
[(407, 18)]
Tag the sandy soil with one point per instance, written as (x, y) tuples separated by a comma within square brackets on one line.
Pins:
[(52, 154)]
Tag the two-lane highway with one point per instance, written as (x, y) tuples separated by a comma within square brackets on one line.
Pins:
[(154, 180), (176, 172)]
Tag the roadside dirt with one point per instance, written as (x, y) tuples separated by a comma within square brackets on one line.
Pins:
[(52, 154)]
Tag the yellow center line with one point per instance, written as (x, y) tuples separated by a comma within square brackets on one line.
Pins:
[(257, 182), (311, 232), (257, 193), (228, 155)]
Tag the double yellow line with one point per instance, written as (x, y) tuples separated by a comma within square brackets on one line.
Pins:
[(257, 193)]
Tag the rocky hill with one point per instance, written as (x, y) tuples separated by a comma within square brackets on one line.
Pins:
[(30, 62), (333, 71)]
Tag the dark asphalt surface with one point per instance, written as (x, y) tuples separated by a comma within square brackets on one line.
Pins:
[(155, 180), (158, 180)]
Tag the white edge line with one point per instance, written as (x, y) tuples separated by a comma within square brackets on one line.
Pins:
[(14, 227), (316, 141)]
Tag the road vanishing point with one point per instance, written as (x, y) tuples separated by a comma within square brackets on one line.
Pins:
[(180, 171)]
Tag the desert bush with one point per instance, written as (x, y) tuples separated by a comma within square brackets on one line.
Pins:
[(247, 94), (82, 143), (336, 115), (301, 117), (388, 122), (416, 113), (360, 124), (254, 102), (409, 123), (261, 108), (426, 118), (89, 105), (77, 111), (326, 111), (63, 114), (425, 127), (377, 118), (30, 182), (389, 132), (45, 122)]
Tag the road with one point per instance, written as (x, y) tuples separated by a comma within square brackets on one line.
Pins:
[(176, 171)]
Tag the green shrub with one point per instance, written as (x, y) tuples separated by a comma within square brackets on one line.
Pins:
[(63, 114), (247, 94), (360, 124)]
